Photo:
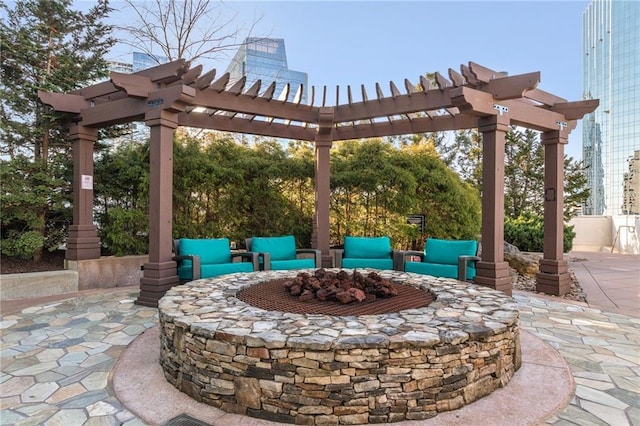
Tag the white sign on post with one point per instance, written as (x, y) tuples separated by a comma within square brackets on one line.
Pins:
[(87, 182)]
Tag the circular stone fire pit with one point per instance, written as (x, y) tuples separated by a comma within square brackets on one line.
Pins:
[(329, 369)]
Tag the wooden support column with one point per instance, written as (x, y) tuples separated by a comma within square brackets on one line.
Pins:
[(492, 270), (553, 277), (83, 241), (323, 143), (160, 273)]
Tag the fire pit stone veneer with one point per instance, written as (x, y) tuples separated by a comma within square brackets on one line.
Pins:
[(317, 369)]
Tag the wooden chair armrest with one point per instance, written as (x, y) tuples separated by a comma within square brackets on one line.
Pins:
[(248, 256), (195, 264), (462, 266), (398, 260), (317, 255), (402, 255), (337, 257), (406, 253), (266, 260)]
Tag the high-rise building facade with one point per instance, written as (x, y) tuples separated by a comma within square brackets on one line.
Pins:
[(142, 61), (611, 73), (631, 191), (265, 59)]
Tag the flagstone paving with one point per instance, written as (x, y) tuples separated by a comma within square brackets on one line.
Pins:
[(56, 359)]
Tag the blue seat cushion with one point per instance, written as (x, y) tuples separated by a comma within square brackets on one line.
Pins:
[(367, 247), (367, 263), (214, 270), (438, 269), (280, 248), (293, 264), (211, 251), (448, 251)]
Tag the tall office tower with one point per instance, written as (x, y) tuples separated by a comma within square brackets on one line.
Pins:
[(631, 191), (143, 61), (265, 59), (140, 61), (611, 73)]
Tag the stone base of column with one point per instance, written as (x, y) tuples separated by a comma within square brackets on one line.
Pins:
[(83, 243), (157, 279), (554, 277), (494, 275), (554, 284)]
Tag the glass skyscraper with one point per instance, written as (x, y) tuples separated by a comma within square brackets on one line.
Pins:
[(265, 59), (611, 134), (142, 61)]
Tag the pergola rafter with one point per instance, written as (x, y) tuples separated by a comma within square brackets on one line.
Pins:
[(175, 94)]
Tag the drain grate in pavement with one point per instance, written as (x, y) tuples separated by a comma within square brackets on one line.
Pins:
[(186, 420)]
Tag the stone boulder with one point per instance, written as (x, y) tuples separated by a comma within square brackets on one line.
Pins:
[(524, 263)]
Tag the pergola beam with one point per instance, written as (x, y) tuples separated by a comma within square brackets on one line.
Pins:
[(576, 110), (133, 108), (512, 87), (402, 127), (136, 86), (401, 104), (254, 105), (247, 125), (63, 103)]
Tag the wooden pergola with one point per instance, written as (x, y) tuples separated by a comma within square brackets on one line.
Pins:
[(174, 94)]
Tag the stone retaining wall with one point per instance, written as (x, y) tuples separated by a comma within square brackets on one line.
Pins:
[(318, 369)]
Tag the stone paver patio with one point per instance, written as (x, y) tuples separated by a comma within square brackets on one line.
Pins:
[(57, 359)]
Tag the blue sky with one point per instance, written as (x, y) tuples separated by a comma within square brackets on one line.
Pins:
[(364, 42)]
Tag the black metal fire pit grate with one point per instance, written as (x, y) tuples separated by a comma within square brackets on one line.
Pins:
[(272, 296)]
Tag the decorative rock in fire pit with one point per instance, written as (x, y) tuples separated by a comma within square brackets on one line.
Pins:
[(342, 287), (317, 369)]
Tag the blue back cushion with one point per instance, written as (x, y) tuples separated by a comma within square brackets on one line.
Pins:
[(280, 248), (448, 251), (367, 247), (215, 250)]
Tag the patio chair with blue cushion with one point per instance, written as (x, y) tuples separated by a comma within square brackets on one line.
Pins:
[(367, 252), (445, 258), (206, 258), (280, 253)]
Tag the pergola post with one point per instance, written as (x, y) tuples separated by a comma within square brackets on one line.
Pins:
[(553, 277), (160, 272), (492, 270), (321, 224), (83, 241)]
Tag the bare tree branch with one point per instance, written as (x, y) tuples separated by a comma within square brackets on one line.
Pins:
[(184, 29)]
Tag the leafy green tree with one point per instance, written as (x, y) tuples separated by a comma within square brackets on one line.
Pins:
[(27, 186), (575, 187), (222, 188), (367, 187), (375, 186), (44, 45), (121, 198), (527, 233), (523, 172), (451, 206)]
